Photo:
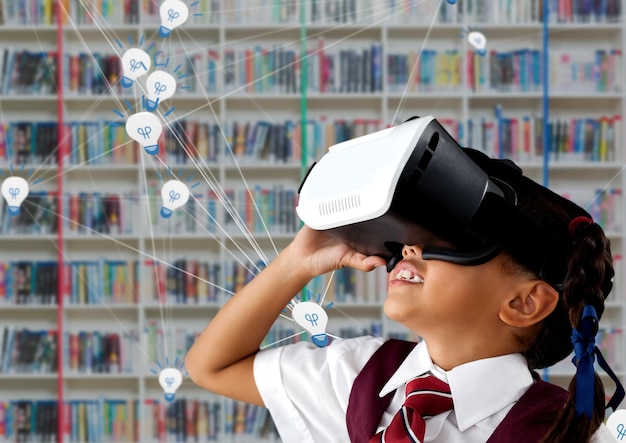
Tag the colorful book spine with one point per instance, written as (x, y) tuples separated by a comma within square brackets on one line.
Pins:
[(38, 215), (27, 351), (183, 281), (28, 420), (102, 282), (101, 419), (92, 213), (99, 352)]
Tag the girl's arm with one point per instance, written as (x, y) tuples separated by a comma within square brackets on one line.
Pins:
[(221, 359)]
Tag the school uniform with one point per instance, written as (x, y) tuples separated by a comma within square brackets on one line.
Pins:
[(307, 389)]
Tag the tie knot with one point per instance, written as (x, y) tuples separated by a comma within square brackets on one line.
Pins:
[(428, 396)]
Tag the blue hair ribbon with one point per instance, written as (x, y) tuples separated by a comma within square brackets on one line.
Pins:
[(585, 351)]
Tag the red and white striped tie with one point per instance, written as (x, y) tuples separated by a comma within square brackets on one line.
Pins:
[(425, 396)]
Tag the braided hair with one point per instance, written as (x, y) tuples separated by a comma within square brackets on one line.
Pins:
[(587, 282)]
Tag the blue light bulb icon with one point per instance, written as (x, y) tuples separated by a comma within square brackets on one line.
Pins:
[(173, 13), (14, 190), (170, 380), (145, 128), (313, 318)]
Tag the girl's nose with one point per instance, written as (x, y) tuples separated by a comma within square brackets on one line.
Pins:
[(411, 250)]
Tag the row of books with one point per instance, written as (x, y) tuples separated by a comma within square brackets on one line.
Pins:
[(360, 12), (276, 69), (119, 420), (104, 142), (521, 138), (262, 210), (262, 141), (585, 139), (582, 11), (92, 213), (262, 70), (316, 12), (167, 345), (38, 216), (598, 70), (28, 12), (183, 281), (28, 282), (27, 351), (426, 71), (507, 71), (26, 72), (28, 421), (101, 420), (531, 11), (46, 12), (257, 209), (179, 281), (29, 142), (357, 69), (200, 215), (188, 420), (100, 352), (101, 282), (92, 73), (102, 12), (582, 71)]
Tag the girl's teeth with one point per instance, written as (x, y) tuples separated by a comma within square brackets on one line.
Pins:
[(409, 276)]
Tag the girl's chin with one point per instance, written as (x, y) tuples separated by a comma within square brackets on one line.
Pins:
[(395, 309)]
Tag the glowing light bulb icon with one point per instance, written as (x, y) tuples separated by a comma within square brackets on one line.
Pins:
[(135, 63), (313, 318), (478, 41), (173, 13), (170, 380), (174, 194), (161, 86), (616, 424), (145, 128), (14, 190)]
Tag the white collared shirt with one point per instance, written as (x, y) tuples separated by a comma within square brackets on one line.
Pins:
[(306, 390)]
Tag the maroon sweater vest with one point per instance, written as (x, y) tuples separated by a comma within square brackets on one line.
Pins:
[(527, 422)]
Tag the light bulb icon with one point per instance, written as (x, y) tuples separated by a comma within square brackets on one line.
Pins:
[(478, 41), (313, 318), (616, 424), (170, 380), (161, 86), (14, 190), (173, 13), (174, 194), (135, 63), (145, 128)]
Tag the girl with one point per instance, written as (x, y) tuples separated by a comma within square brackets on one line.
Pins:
[(484, 327)]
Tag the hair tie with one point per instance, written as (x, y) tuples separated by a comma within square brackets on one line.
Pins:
[(585, 351), (573, 224)]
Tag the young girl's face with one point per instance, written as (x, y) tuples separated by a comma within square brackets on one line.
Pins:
[(445, 301)]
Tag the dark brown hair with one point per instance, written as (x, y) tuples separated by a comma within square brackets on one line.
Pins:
[(589, 267)]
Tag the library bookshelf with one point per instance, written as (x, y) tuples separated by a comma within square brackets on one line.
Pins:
[(265, 90)]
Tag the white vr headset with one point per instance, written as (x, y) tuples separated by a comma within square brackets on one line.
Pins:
[(413, 184)]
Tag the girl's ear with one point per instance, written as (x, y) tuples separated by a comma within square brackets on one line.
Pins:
[(533, 302)]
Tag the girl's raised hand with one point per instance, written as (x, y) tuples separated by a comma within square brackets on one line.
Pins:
[(316, 253)]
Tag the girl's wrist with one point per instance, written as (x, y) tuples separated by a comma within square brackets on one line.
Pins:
[(292, 266)]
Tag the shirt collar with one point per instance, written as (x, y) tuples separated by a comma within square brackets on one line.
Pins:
[(479, 388)]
